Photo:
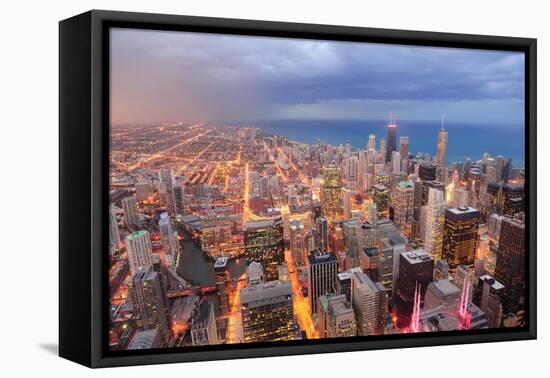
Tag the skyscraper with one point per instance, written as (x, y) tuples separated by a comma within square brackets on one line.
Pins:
[(370, 303), (203, 328), (263, 241), (267, 312), (150, 309), (114, 235), (510, 266), (130, 210), (321, 234), (139, 249), (331, 192), (415, 271), (168, 238), (460, 237), (392, 140), (335, 317), (442, 153), (402, 206), (297, 242), (322, 273), (221, 277), (435, 219), (381, 197), (346, 203), (371, 145)]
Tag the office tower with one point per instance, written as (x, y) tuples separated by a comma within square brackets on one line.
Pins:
[(370, 303), (415, 272), (130, 211), (381, 197), (166, 176), (371, 144), (267, 312), (512, 199), (460, 237), (322, 273), (442, 153), (149, 303), (346, 203), (204, 330), (396, 162), (369, 262), (263, 241), (435, 219), (298, 248), (143, 188), (441, 270), (510, 265), (255, 274), (343, 283), (335, 317), (402, 206), (392, 140), (169, 240), (139, 249), (352, 242), (147, 339), (331, 192), (221, 276), (382, 152), (442, 293), (491, 305), (427, 171), (114, 235), (503, 168), (178, 198), (165, 196), (215, 234), (351, 169), (321, 234), (404, 147)]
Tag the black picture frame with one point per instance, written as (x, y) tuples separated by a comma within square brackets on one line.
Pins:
[(83, 196)]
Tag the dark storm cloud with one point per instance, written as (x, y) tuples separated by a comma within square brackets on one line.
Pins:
[(172, 76)]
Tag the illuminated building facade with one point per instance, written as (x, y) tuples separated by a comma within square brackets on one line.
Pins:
[(370, 303), (267, 312), (221, 277), (264, 243), (381, 197), (415, 273), (402, 206), (331, 193), (510, 262), (441, 164), (322, 273), (336, 317), (435, 219), (139, 249), (149, 302), (460, 237), (131, 215)]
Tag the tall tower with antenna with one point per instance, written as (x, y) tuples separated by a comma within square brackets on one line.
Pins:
[(441, 164), (392, 139)]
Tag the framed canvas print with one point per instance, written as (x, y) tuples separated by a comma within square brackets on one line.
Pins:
[(233, 188)]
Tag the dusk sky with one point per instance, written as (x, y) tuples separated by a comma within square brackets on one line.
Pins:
[(172, 76)]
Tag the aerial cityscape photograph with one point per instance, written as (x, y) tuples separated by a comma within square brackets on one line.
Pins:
[(267, 189)]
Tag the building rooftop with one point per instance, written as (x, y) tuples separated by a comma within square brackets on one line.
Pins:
[(416, 256), (221, 262), (265, 291), (491, 281), (144, 339), (463, 210), (445, 288)]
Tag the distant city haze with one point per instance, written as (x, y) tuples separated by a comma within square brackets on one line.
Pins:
[(160, 76)]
